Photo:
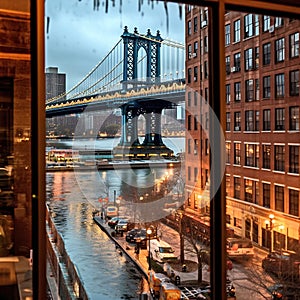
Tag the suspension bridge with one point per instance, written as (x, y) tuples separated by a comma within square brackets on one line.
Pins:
[(143, 74)]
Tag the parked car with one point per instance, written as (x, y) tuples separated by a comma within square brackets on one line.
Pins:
[(113, 221), (284, 263), (161, 251), (131, 234), (124, 225)]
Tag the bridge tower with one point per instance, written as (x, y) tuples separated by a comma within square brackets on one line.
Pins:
[(152, 146)]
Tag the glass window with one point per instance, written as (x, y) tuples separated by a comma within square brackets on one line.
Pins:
[(267, 87), (237, 153), (279, 198), (294, 83), (278, 22), (228, 145), (227, 88), (294, 159), (294, 118), (294, 202), (237, 187), (189, 27), (227, 34), (266, 54), (227, 64), (279, 118), (294, 45), (279, 85), (248, 59), (248, 26), (195, 24), (279, 158), (237, 31), (196, 73), (249, 118), (266, 23), (249, 90), (266, 120), (249, 190), (266, 156), (237, 61), (237, 121), (228, 121), (266, 195), (195, 49), (256, 127), (237, 91), (279, 50), (252, 155)]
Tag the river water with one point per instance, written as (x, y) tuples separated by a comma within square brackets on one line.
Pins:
[(72, 196)]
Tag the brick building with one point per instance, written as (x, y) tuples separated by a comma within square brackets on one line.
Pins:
[(262, 137)]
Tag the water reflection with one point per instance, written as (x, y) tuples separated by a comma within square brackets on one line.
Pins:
[(106, 275)]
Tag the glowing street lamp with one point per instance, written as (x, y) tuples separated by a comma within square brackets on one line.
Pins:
[(149, 232)]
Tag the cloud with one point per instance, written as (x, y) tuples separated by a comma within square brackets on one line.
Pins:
[(79, 37)]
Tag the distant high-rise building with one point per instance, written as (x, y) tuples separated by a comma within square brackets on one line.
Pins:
[(55, 83)]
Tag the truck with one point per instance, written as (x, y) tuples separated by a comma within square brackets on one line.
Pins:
[(155, 281), (161, 251), (169, 291)]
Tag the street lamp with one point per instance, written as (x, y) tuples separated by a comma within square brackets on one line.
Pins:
[(149, 232), (269, 226)]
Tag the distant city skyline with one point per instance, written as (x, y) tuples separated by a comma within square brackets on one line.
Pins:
[(78, 36)]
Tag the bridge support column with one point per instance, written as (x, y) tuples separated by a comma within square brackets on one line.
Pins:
[(148, 132), (157, 135)]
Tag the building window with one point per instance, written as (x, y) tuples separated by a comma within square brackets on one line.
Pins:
[(294, 83), (189, 51), (257, 89), (266, 195), (279, 158), (195, 122), (227, 64), (237, 154), (189, 27), (227, 34), (195, 176), (249, 126), (266, 25), (237, 31), (228, 121), (278, 22), (249, 90), (206, 95), (266, 156), (237, 62), (267, 87), (195, 73), (279, 85), (294, 159), (189, 173), (206, 147), (205, 69), (227, 93), (249, 59), (266, 120), (279, 50), (248, 190), (266, 54), (294, 202), (256, 61), (252, 155), (189, 79), (237, 121), (256, 24), (294, 118), (206, 44), (189, 146), (279, 198), (279, 118), (294, 45), (237, 91), (256, 126), (189, 98), (189, 122), (248, 25), (195, 49), (237, 187), (195, 98), (228, 145), (195, 24)]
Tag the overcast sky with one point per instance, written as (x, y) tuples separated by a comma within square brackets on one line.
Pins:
[(79, 36)]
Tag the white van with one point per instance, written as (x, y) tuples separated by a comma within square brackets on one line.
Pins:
[(161, 251)]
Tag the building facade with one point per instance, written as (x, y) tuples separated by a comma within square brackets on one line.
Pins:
[(262, 136)]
